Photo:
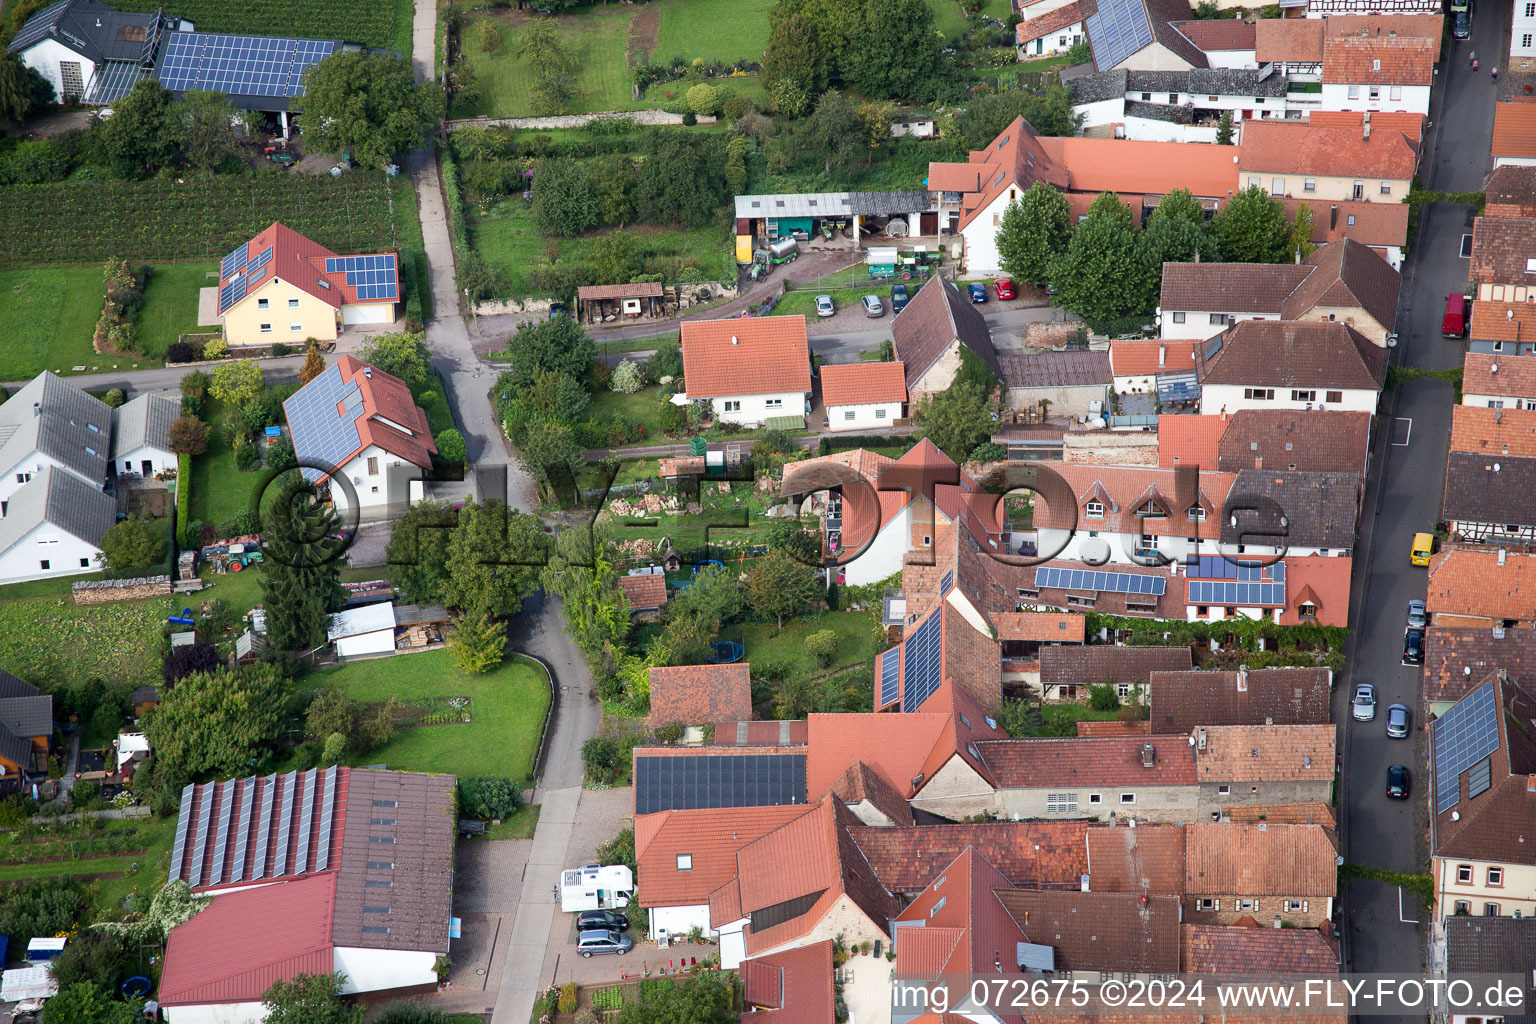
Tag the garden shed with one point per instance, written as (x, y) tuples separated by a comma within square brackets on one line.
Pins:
[(366, 630), (602, 302)]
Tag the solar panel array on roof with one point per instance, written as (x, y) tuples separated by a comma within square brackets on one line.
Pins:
[(240, 65), (735, 780), (923, 671), (327, 819), (1118, 29), (1105, 582), (1214, 567), (1464, 735), (179, 850), (319, 433), (306, 821), (373, 276), (234, 261), (37, 27), (234, 289), (890, 677), (221, 842), (113, 80), (947, 583), (1246, 595), (1480, 778), (200, 850)]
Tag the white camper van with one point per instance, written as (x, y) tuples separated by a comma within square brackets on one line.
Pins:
[(594, 887)]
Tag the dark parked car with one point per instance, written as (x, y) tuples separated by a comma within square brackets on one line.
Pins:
[(899, 298), (602, 940), (1398, 719), (603, 920), (1399, 784), (1461, 28), (1413, 647), (978, 291)]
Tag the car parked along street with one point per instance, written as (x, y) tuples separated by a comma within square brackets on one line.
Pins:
[(601, 920), (1363, 707), (824, 306), (1398, 721), (1399, 782), (872, 306)]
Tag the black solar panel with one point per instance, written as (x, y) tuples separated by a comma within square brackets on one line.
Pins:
[(1464, 735), (37, 27), (691, 782), (1246, 595), (183, 826), (1214, 567), (319, 434), (947, 583), (922, 672), (240, 65), (234, 261), (1480, 778)]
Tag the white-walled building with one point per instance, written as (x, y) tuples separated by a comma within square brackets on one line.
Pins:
[(141, 436), (53, 526), (1495, 381), (359, 433), (863, 396), (1522, 30), (1055, 31), (1267, 364), (1337, 156), (369, 629), (1226, 42), (749, 371)]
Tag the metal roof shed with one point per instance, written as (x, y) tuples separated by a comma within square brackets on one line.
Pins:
[(366, 630)]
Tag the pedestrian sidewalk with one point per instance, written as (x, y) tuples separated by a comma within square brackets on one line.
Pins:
[(536, 907)]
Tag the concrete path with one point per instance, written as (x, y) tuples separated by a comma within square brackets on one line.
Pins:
[(71, 763), (536, 909)]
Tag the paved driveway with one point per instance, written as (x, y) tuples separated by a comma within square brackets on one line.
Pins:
[(487, 885)]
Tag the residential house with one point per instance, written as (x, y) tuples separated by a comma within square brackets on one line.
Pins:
[(1378, 63), (1025, 636), (1458, 658), (1498, 381), (1033, 854), (1053, 32), (1344, 281), (1510, 191), (1139, 35), (50, 423), (1211, 949), (281, 287), (360, 885), (872, 799), (1294, 48), (1483, 757), (645, 592), (1279, 513), (1492, 945), (863, 396), (1489, 474), (1263, 764), (1226, 42), (752, 371), (1314, 441), (1514, 134), (1374, 158), (1478, 586), (26, 733), (938, 331), (1315, 813), (795, 986), (1067, 383), (1184, 701), (141, 436), (1264, 364), (1522, 32), (1089, 935), (1066, 673), (1503, 276), (726, 775), (52, 526), (1382, 227), (701, 694), (1162, 368), (359, 434), (1274, 873), (1176, 106)]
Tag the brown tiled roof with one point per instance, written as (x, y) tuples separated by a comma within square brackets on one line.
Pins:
[(1515, 377), (1501, 247), (1514, 130), (1053, 21), (1297, 40), (1325, 441), (1488, 489), (1017, 158), (1122, 490), (1128, 357), (1467, 580), (758, 356), (1045, 627), (1274, 353), (1502, 320), (1319, 508), (863, 383), (1378, 225), (1139, 860), (893, 746), (1410, 125), (794, 986), (1281, 814), (1075, 368), (1494, 945), (1162, 14), (1218, 33), (1230, 287), (1099, 663), (1117, 727), (710, 836), (1028, 853), (1266, 753), (1088, 761), (640, 290), (761, 734), (1496, 824), (964, 902), (938, 315), (1290, 147), (1287, 696), (1190, 440), (1388, 26), (1379, 60), (1457, 660), (645, 591), (1100, 931), (1217, 949), (861, 783), (1510, 191), (1347, 274), (695, 694), (1260, 860)]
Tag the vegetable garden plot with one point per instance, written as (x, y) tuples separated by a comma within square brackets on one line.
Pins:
[(163, 220)]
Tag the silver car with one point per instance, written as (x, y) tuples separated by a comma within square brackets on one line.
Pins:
[(1418, 617), (601, 940), (1363, 707), (1398, 718), (872, 305), (824, 305)]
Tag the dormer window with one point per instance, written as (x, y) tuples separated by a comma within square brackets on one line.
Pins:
[(1151, 510), (1196, 514), (1093, 510)]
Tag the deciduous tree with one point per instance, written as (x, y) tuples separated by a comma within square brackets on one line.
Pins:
[(985, 117), (1099, 276), (211, 128), (548, 450), (479, 643), (237, 383), (1177, 232), (1253, 228), (795, 65), (956, 419), (369, 103), (554, 66), (559, 344), (615, 258), (22, 89), (218, 722), (144, 131), (310, 999), (188, 436), (1034, 232), (778, 584), (494, 557), (402, 355), (564, 200), (418, 551), (894, 51), (683, 180), (86, 1002), (834, 135), (133, 543)]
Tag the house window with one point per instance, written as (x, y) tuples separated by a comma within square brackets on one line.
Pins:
[(773, 403), (1295, 906), (1151, 511), (1464, 874), (1081, 601), (1196, 514), (22, 478), (1247, 904), (732, 405), (1493, 403), (373, 466), (927, 540), (262, 304), (71, 79), (266, 328), (685, 862), (1178, 318), (1173, 99), (1395, 92), (938, 906), (1354, 92), (1095, 798), (1495, 876), (1128, 798), (1223, 790), (1207, 904), (382, 821), (1463, 907), (1334, 396), (848, 414), (880, 412), (1259, 394), (1060, 803), (1375, 91), (1303, 396), (1525, 40), (1202, 611), (295, 327), (1255, 183), (1530, 10), (1358, 191), (1306, 610), (85, 563), (1122, 690), (1277, 187), (1220, 319), (1309, 184), (1351, 220), (1093, 510), (1376, 65), (1490, 910), (44, 564), (996, 219), (1146, 97), (386, 840), (1386, 188), (293, 303)]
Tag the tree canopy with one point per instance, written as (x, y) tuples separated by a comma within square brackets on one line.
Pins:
[(557, 344), (1033, 233), (133, 543), (212, 128), (778, 584), (795, 65), (22, 89), (895, 52), (956, 419), (301, 572), (684, 179), (369, 103), (1099, 276), (402, 355), (493, 559), (984, 118), (565, 203), (144, 131), (1252, 228), (541, 47), (310, 999), (218, 722)]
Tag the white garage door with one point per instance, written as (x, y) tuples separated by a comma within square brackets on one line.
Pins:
[(371, 313)]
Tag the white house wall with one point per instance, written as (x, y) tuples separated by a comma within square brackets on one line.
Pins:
[(1514, 161), (1243, 59), (1411, 99), (23, 559), (880, 414), (1522, 30), (373, 970), (369, 313), (733, 944), (679, 921), (216, 1013), (1101, 112), (883, 558), (376, 491), (380, 641), (33, 466), (1150, 129), (981, 237), (132, 463), (1197, 325), (45, 57), (1215, 398), (1498, 401), (1053, 42), (755, 409)]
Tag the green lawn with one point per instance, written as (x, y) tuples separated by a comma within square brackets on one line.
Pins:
[(50, 641), (507, 708), (170, 304), (857, 641), (642, 407), (519, 826), (50, 315), (371, 22), (219, 490), (723, 30), (949, 17), (151, 836)]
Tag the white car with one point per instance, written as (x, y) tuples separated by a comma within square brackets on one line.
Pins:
[(1363, 707), (824, 305)]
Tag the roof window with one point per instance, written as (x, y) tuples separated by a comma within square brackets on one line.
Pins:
[(325, 284)]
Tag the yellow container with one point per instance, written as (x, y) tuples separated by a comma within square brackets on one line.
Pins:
[(743, 249)]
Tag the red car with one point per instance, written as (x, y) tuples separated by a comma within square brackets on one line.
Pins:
[(1004, 288)]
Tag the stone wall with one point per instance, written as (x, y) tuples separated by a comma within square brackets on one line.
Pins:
[(643, 117), (1107, 448), (1051, 333), (101, 591)]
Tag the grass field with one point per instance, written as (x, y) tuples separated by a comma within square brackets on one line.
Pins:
[(507, 708), (856, 633), (949, 17), (720, 30), (372, 22), (219, 490), (50, 641), (170, 304), (519, 826), (50, 315), (152, 836), (643, 407)]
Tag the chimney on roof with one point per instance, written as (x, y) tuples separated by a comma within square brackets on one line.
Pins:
[(1366, 129), (1201, 744), (1148, 756), (1298, 255), (1242, 679), (997, 960), (1162, 356), (37, 408)]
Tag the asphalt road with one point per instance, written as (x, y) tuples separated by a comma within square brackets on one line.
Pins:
[(1386, 932)]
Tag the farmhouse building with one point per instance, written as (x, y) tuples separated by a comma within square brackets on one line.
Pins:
[(754, 372)]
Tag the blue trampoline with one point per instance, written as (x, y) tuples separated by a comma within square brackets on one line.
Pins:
[(707, 563), (725, 652)]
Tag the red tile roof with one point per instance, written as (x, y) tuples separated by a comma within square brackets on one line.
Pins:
[(1515, 377), (962, 899), (1379, 60), (284, 930), (1322, 581), (301, 263), (1132, 167), (1493, 431), (1218, 33), (1511, 192), (1267, 753), (1378, 225), (1468, 581), (1088, 761), (1502, 320), (1501, 249), (755, 356), (1016, 158), (1317, 441), (1214, 949), (1054, 21), (1313, 354), (1514, 130), (861, 784), (695, 694), (1128, 358), (894, 746), (1146, 860), (1260, 860), (1045, 627), (712, 837), (1028, 853), (1124, 489), (760, 734), (1411, 125), (863, 383), (386, 404), (1285, 147), (1281, 814), (644, 592), (1189, 440), (1112, 932), (794, 986)]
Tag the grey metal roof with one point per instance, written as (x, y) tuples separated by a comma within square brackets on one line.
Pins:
[(796, 204), (1101, 85), (11, 686), (1160, 112), (144, 421), (54, 417), (93, 30), (27, 716), (1236, 82), (62, 500), (884, 204)]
